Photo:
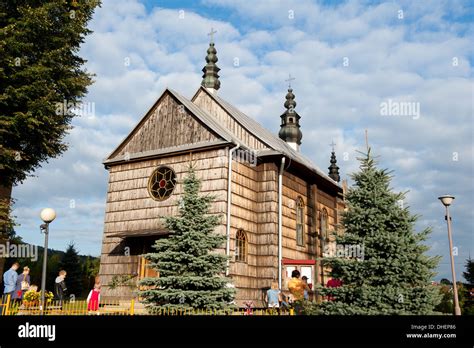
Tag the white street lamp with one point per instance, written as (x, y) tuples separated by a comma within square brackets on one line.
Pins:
[(447, 200), (47, 215)]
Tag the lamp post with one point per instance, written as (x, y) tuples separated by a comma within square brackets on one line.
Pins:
[(47, 215), (447, 200)]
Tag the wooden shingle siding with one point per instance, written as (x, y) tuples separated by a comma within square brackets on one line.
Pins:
[(130, 208), (168, 124)]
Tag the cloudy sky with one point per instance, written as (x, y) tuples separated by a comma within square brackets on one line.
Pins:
[(349, 60)]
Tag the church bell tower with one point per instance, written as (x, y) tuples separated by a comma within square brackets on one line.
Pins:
[(290, 122), (210, 78)]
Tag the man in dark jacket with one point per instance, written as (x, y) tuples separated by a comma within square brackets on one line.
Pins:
[(60, 287)]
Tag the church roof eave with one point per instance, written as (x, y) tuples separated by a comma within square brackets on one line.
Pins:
[(306, 163), (174, 150)]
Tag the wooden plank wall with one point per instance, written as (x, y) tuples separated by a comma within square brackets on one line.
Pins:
[(268, 224), (244, 216), (167, 125), (314, 200), (254, 209), (294, 187), (129, 206)]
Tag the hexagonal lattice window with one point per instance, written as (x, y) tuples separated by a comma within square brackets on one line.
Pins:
[(161, 183)]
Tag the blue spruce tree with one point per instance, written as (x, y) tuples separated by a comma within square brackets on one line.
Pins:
[(394, 275), (190, 271)]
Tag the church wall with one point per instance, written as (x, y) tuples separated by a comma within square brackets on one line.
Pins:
[(244, 216), (329, 202), (267, 214), (130, 208), (255, 210), (315, 200), (294, 187)]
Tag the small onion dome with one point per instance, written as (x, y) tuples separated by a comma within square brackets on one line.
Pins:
[(290, 125), (210, 78)]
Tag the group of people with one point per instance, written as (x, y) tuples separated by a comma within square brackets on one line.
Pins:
[(16, 285), (299, 291)]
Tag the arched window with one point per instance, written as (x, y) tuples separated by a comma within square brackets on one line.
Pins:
[(300, 221), (324, 224), (241, 246)]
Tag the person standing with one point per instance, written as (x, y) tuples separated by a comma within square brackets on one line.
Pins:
[(306, 287), (22, 284), (273, 296), (9, 280), (297, 287), (60, 287), (93, 298), (333, 283), (285, 302)]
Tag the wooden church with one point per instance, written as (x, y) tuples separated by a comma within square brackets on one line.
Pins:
[(278, 209)]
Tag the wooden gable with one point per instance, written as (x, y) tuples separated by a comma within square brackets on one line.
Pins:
[(204, 101), (168, 124)]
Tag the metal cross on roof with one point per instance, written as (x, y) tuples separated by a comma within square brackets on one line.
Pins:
[(289, 80), (211, 34), (332, 145)]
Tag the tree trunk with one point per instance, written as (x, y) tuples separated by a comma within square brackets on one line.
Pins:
[(5, 196)]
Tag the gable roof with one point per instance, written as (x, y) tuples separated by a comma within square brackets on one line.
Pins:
[(205, 117), (276, 145), (207, 120)]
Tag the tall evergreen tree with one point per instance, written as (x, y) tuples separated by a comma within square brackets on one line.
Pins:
[(466, 299), (71, 263), (39, 69), (469, 274), (394, 275), (190, 270)]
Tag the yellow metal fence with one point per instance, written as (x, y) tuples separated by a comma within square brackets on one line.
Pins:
[(70, 307), (132, 307)]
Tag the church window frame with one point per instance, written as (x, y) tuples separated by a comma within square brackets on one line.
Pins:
[(299, 221), (162, 183), (241, 246)]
